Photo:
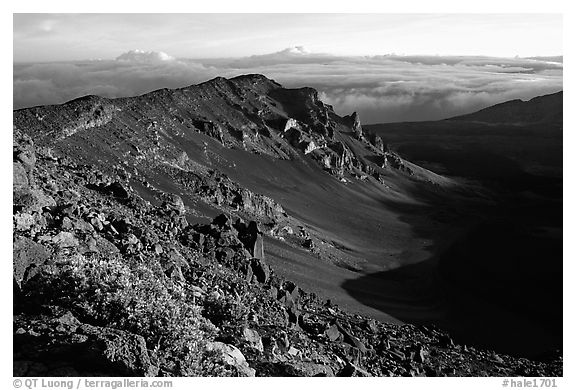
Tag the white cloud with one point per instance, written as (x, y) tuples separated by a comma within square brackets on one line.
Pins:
[(381, 88), (144, 56)]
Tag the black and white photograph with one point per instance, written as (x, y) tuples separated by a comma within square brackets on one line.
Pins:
[(291, 194)]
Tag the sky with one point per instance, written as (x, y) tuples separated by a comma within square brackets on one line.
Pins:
[(58, 37), (387, 67)]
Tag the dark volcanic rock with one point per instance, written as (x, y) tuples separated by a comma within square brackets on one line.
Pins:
[(28, 256), (354, 122), (118, 190), (260, 270), (124, 352), (376, 140), (252, 238), (64, 347)]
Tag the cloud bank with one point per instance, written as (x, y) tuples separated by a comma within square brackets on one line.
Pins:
[(388, 88)]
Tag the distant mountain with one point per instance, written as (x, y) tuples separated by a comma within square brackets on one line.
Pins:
[(541, 109), (548, 58)]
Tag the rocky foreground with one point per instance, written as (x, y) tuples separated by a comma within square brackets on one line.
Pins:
[(106, 283)]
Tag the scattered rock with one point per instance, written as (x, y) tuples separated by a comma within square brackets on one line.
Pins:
[(253, 339), (32, 200), (333, 333), (293, 351), (67, 323), (287, 230), (65, 240), (174, 202), (23, 221)]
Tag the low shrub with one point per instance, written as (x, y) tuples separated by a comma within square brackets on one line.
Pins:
[(107, 292)]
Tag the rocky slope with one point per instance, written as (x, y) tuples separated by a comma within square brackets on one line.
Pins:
[(136, 254)]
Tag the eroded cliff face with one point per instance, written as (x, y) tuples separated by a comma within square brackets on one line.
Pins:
[(250, 113)]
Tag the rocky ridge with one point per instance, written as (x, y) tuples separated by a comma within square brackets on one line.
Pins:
[(249, 112)]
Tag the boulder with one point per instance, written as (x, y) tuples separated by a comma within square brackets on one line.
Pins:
[(292, 123), (118, 351), (212, 129), (105, 247), (333, 333), (27, 255), (222, 221), (118, 190), (228, 238), (60, 344), (260, 270), (175, 203), (378, 143), (231, 356), (354, 123), (31, 200), (420, 355), (19, 177), (67, 323), (290, 302), (351, 339), (287, 230), (308, 244), (224, 255), (96, 223), (252, 238), (253, 339), (65, 240)]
